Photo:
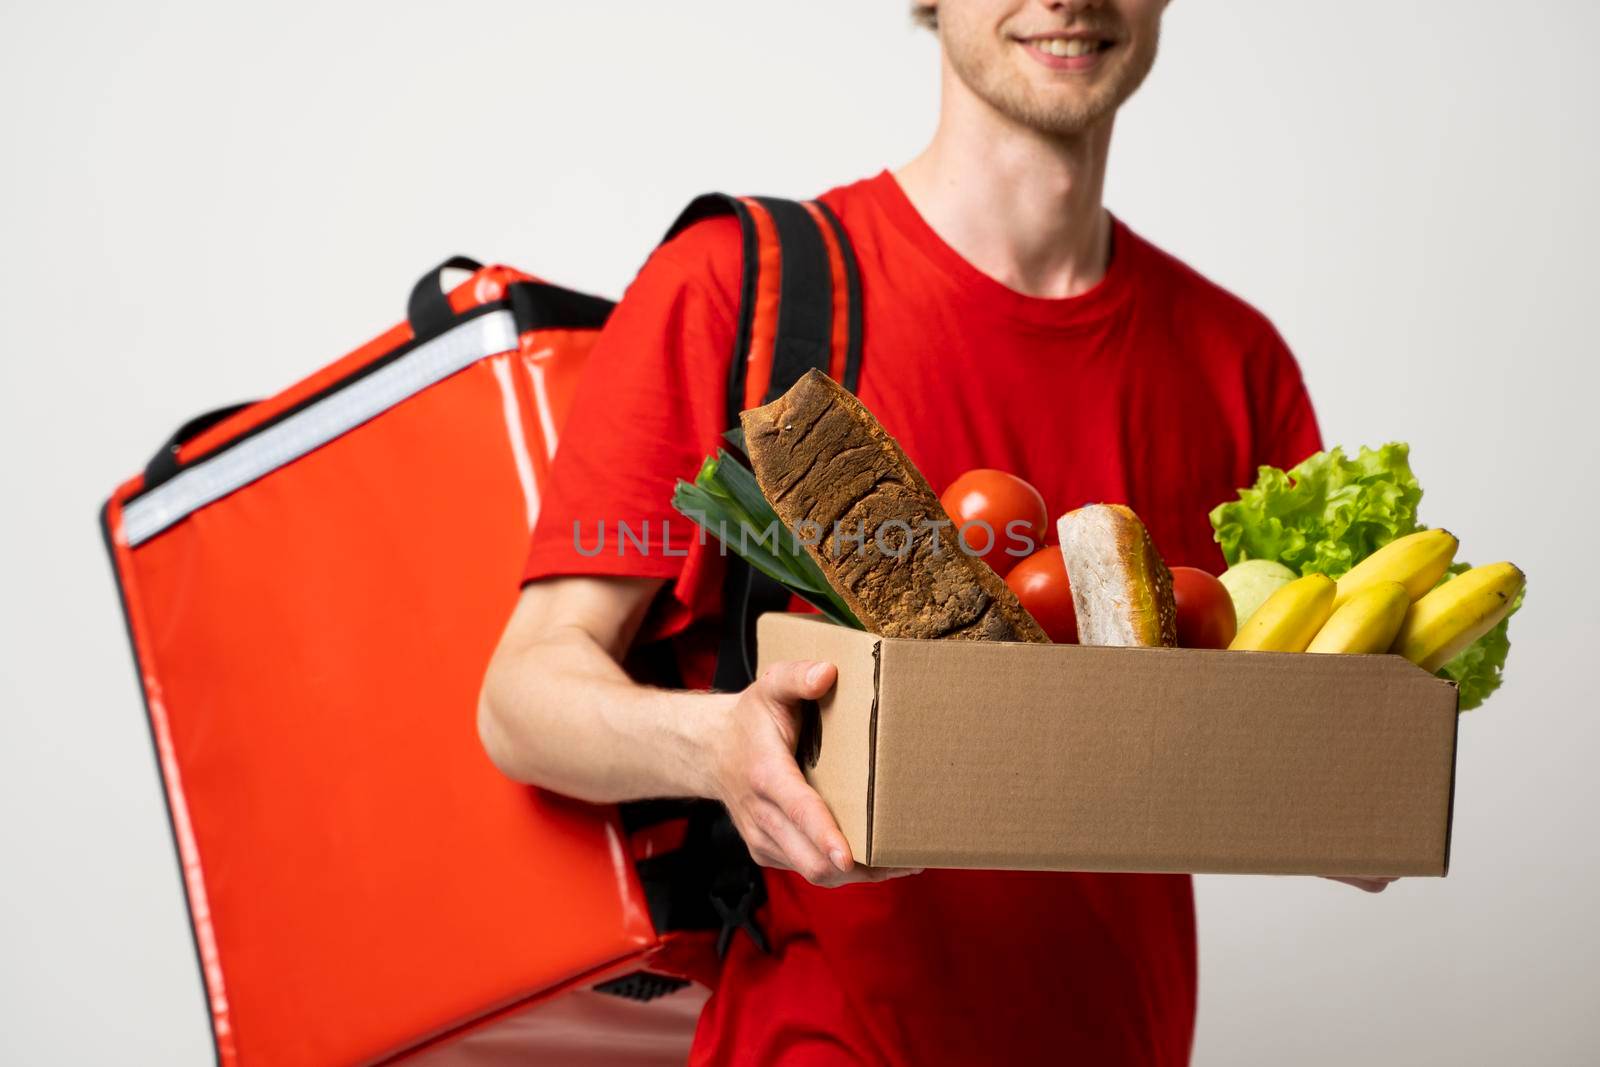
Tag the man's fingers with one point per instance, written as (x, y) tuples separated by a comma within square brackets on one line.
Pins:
[(864, 873), (861, 873), (763, 849), (802, 808), (786, 684), (799, 853), (1369, 885)]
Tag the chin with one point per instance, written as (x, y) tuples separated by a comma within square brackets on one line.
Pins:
[(1061, 114), (1070, 108)]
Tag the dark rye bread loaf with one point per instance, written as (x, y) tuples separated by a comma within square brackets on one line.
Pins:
[(828, 469)]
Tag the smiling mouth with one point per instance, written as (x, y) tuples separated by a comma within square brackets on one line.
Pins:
[(1069, 47)]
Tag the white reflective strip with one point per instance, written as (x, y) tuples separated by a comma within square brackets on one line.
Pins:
[(519, 440), (311, 428)]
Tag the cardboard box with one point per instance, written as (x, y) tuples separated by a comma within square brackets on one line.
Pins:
[(1060, 757)]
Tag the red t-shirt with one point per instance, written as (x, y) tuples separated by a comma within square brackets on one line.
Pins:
[(1156, 389)]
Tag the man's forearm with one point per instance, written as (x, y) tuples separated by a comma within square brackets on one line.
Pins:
[(560, 713)]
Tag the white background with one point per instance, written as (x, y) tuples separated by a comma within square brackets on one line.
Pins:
[(201, 202)]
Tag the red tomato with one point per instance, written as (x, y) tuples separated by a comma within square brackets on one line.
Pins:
[(996, 499), (1205, 610), (1040, 582)]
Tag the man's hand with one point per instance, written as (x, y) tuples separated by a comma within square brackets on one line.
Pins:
[(754, 774)]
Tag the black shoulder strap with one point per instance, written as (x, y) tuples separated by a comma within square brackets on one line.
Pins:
[(799, 295), (851, 291), (799, 308), (805, 297)]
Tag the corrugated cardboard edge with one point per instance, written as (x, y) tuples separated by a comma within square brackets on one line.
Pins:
[(1455, 770), (847, 715), (872, 743)]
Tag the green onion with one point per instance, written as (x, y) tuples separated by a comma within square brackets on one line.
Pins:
[(725, 500)]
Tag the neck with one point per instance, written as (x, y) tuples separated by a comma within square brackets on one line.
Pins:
[(1021, 206)]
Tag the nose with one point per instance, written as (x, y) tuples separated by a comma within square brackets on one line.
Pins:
[(1073, 7)]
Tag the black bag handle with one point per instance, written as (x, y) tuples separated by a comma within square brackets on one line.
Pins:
[(164, 464), (428, 311), (428, 308)]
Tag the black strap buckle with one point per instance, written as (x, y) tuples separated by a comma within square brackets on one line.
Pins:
[(738, 889), (739, 916)]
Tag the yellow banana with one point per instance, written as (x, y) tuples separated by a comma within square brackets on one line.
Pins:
[(1367, 622), (1458, 613), (1290, 618), (1417, 561)]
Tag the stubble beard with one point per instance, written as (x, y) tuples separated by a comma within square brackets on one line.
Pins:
[(990, 78)]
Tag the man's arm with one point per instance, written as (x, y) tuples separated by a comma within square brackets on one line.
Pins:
[(558, 711)]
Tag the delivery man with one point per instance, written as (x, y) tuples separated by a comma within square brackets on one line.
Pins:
[(1010, 322)]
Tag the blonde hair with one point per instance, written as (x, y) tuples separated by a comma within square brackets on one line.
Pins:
[(925, 16)]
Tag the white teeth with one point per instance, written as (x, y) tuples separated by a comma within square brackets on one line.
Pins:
[(1064, 47)]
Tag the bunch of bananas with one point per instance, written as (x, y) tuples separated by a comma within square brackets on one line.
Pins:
[(1389, 602)]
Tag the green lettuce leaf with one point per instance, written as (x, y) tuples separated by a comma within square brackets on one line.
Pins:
[(1326, 514)]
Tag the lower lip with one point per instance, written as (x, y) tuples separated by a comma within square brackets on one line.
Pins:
[(1087, 61)]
